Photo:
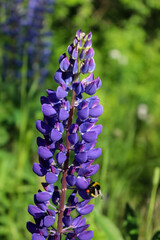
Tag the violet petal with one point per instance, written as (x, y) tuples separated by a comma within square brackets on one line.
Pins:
[(71, 179), (42, 127), (48, 221), (35, 211), (96, 111), (63, 114), (37, 236), (86, 209), (82, 182), (51, 177), (39, 170), (43, 196), (73, 138), (55, 135), (86, 235), (83, 113), (61, 157), (48, 110), (44, 152), (89, 136), (81, 157), (93, 153), (61, 93)]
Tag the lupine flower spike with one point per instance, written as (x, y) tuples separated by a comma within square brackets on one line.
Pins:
[(55, 152)]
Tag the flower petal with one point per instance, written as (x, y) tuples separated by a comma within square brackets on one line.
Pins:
[(51, 177), (42, 127), (82, 182), (48, 110)]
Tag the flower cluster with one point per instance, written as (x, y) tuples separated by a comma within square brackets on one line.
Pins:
[(25, 36), (55, 152)]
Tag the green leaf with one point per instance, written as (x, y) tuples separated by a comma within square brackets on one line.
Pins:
[(130, 223), (156, 236), (109, 228)]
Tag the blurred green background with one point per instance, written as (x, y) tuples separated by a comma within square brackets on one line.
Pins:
[(126, 40)]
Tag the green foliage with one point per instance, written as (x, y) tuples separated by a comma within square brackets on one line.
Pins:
[(156, 236), (130, 223)]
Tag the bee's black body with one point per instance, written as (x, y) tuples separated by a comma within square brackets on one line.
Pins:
[(94, 190)]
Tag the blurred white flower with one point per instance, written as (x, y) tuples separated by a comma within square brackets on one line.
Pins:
[(142, 111), (116, 54)]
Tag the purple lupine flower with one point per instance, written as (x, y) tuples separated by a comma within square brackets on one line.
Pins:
[(54, 151), (25, 34)]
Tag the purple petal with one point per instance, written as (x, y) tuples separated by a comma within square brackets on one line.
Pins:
[(79, 34), (94, 153), (58, 77), (96, 111), (92, 65), (37, 236), (78, 87), (61, 58), (67, 220), (83, 172), (48, 110), (73, 138), (43, 231), (89, 36), (61, 157), (81, 229), (63, 114), (61, 93), (70, 49), (35, 211), (83, 194), (81, 157), (44, 152), (85, 67), (38, 169), (48, 221), (82, 54), (86, 209), (73, 128), (32, 228), (89, 54), (71, 180), (51, 212), (82, 182), (83, 113), (48, 187), (86, 235), (51, 177), (88, 44), (75, 67), (43, 196), (91, 88), (64, 64), (97, 129), (75, 53), (41, 142), (89, 136), (83, 203), (42, 127), (85, 127), (76, 221), (55, 135), (55, 237), (93, 169)]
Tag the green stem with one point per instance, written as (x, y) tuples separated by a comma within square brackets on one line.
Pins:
[(155, 183)]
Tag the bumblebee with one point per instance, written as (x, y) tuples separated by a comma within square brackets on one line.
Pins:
[(94, 190)]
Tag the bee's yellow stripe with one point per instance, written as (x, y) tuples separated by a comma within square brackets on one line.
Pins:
[(95, 184)]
